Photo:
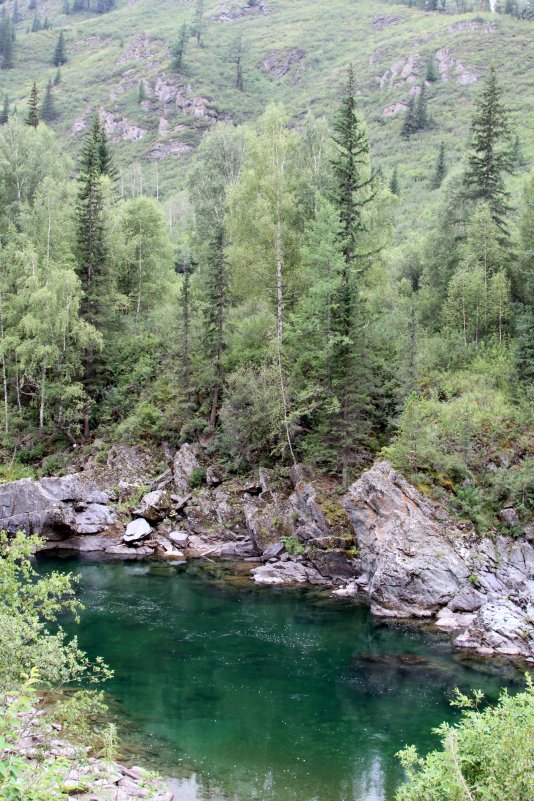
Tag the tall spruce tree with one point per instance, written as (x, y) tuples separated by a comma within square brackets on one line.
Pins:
[(57, 77), (355, 189), (60, 57), (6, 44), (489, 153), (48, 108), (440, 170), (409, 125), (36, 24), (33, 107), (4, 114), (394, 182), (92, 255), (179, 47), (421, 114)]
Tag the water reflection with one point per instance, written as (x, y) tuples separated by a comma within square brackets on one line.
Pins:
[(254, 695)]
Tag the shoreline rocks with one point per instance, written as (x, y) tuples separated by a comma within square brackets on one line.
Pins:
[(384, 542)]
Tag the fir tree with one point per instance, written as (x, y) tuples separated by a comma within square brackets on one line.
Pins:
[(237, 59), (432, 72), (57, 77), (409, 125), (394, 182), (441, 168), (46, 24), (6, 44), (178, 50), (59, 58), (141, 92), (489, 156), (48, 108), (355, 188), (33, 108), (517, 155), (421, 116), (4, 114), (198, 21), (105, 155), (92, 252), (36, 24)]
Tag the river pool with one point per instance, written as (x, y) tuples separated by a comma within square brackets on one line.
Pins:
[(260, 694)]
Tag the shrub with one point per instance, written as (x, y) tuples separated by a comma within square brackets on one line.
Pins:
[(487, 756)]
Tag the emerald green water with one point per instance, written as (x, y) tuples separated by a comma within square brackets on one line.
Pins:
[(244, 693)]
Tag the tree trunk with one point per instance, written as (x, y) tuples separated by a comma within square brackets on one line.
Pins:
[(42, 401), (280, 328)]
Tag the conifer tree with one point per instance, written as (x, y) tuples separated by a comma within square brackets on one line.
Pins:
[(355, 189), (178, 50), (237, 59), (15, 16), (48, 108), (394, 182), (409, 126), (33, 108), (57, 77), (4, 114), (141, 92), (198, 22), (91, 250), (59, 58), (6, 44), (421, 115), (489, 157), (441, 168), (36, 24), (46, 24), (432, 72)]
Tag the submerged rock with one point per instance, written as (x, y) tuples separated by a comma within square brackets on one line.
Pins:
[(287, 573)]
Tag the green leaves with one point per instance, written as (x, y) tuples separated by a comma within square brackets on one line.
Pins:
[(489, 754)]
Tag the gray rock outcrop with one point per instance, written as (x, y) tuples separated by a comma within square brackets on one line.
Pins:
[(413, 556), (416, 562)]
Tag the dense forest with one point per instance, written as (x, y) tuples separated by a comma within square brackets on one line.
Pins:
[(281, 318)]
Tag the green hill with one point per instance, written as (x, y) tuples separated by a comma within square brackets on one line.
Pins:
[(293, 51)]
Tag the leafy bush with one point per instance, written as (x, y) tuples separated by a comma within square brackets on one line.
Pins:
[(197, 477), (487, 756)]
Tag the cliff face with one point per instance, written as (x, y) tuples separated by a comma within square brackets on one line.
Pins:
[(385, 541)]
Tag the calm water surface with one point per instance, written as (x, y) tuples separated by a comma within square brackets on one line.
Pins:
[(244, 693)]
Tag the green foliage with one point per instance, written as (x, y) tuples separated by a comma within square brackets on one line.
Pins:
[(197, 477), (487, 755), (292, 545)]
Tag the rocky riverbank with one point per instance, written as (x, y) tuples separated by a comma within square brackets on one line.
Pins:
[(74, 773), (383, 541)]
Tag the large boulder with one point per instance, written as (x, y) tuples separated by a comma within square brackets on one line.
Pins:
[(137, 530), (75, 488), (155, 506), (415, 559), (94, 518), (25, 505)]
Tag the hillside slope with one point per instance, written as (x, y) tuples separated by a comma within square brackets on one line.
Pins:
[(293, 51)]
